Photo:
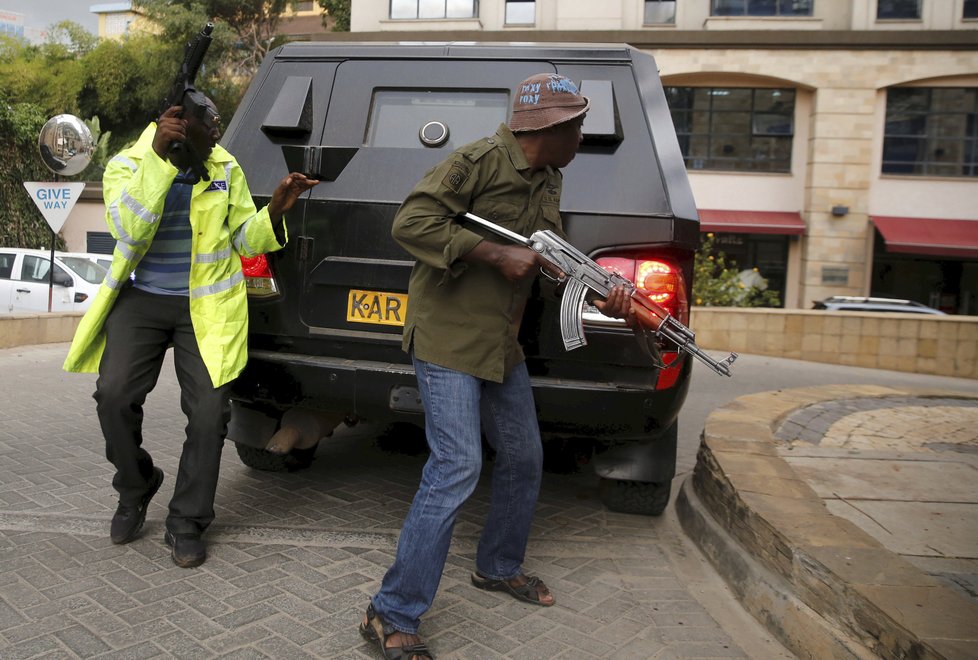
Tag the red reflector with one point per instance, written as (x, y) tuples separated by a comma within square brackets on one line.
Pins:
[(255, 266), (669, 375)]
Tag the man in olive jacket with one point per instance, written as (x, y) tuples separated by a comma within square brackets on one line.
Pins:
[(182, 236), (467, 293)]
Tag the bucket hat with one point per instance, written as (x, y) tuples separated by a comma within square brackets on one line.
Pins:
[(545, 100)]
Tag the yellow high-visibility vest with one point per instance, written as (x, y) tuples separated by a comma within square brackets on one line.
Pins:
[(225, 226)]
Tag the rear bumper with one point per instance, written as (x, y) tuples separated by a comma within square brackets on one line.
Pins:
[(388, 391)]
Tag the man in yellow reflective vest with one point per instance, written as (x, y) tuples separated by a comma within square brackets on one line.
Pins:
[(180, 235)]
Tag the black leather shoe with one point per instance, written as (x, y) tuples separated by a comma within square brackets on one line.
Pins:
[(129, 519), (188, 550)]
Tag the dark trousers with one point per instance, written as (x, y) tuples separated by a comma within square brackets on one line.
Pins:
[(139, 329)]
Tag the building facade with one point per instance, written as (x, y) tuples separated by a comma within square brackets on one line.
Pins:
[(832, 144)]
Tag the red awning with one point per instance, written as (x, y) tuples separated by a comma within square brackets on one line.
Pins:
[(942, 238), (752, 222)]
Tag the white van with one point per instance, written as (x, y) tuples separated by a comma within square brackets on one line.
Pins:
[(103, 260), (25, 276)]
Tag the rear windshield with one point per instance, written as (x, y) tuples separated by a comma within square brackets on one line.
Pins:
[(397, 117), (86, 269)]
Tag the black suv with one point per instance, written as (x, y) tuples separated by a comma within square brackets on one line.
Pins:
[(326, 311)]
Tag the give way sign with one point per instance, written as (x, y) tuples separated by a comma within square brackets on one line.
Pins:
[(55, 200)]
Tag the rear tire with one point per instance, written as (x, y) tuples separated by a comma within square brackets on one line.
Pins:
[(266, 461), (641, 497)]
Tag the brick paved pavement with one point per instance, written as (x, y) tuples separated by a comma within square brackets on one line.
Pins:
[(294, 557)]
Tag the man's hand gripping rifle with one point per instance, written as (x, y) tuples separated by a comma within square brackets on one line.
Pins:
[(582, 274), (183, 93)]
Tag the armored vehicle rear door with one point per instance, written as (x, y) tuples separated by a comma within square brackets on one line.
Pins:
[(403, 119)]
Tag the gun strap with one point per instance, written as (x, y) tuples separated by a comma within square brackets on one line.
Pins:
[(647, 342)]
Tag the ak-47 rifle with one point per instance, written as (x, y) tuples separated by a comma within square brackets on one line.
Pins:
[(183, 93), (581, 273)]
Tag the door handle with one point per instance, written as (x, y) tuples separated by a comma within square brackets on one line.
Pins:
[(23, 290)]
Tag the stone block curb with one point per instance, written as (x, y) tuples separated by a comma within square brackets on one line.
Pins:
[(42, 328), (819, 583)]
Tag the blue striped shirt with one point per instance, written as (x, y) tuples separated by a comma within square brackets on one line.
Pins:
[(166, 267)]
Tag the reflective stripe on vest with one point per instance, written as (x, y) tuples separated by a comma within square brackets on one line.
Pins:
[(217, 287), (240, 239), (213, 257)]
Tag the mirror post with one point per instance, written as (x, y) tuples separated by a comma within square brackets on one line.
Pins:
[(54, 237), (66, 147)]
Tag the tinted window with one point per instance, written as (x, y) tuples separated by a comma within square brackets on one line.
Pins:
[(761, 8), (6, 265), (36, 269), (86, 269), (898, 9), (931, 131), (659, 11), (738, 129), (397, 117)]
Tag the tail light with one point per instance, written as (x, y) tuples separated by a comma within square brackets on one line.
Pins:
[(663, 282), (80, 297), (259, 279)]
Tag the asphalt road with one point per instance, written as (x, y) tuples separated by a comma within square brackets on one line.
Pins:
[(295, 556)]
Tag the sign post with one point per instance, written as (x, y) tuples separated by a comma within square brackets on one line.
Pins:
[(54, 201)]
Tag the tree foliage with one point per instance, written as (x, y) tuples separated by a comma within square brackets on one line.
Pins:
[(717, 283), (21, 224), (245, 30), (125, 83), (339, 12)]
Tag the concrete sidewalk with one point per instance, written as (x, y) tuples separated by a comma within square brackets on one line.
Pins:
[(845, 517)]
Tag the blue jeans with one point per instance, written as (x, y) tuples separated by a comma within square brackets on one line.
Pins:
[(456, 407)]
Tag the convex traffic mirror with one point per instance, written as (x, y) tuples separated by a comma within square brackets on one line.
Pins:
[(66, 145)]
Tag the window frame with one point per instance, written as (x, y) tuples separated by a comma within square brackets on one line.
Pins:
[(417, 11), (746, 6), (506, 15), (660, 4), (880, 4), (926, 129), (706, 150)]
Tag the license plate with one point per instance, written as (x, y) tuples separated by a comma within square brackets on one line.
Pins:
[(377, 307)]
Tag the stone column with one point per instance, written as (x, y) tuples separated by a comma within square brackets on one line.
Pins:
[(839, 162)]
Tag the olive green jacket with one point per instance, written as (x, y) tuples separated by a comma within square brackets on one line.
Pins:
[(225, 226), (466, 316)]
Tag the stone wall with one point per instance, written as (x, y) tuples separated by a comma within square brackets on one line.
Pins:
[(27, 329), (917, 343)]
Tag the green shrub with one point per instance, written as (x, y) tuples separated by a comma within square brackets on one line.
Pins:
[(717, 283), (21, 224)]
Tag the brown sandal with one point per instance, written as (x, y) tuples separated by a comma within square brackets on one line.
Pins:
[(530, 591), (376, 630)]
